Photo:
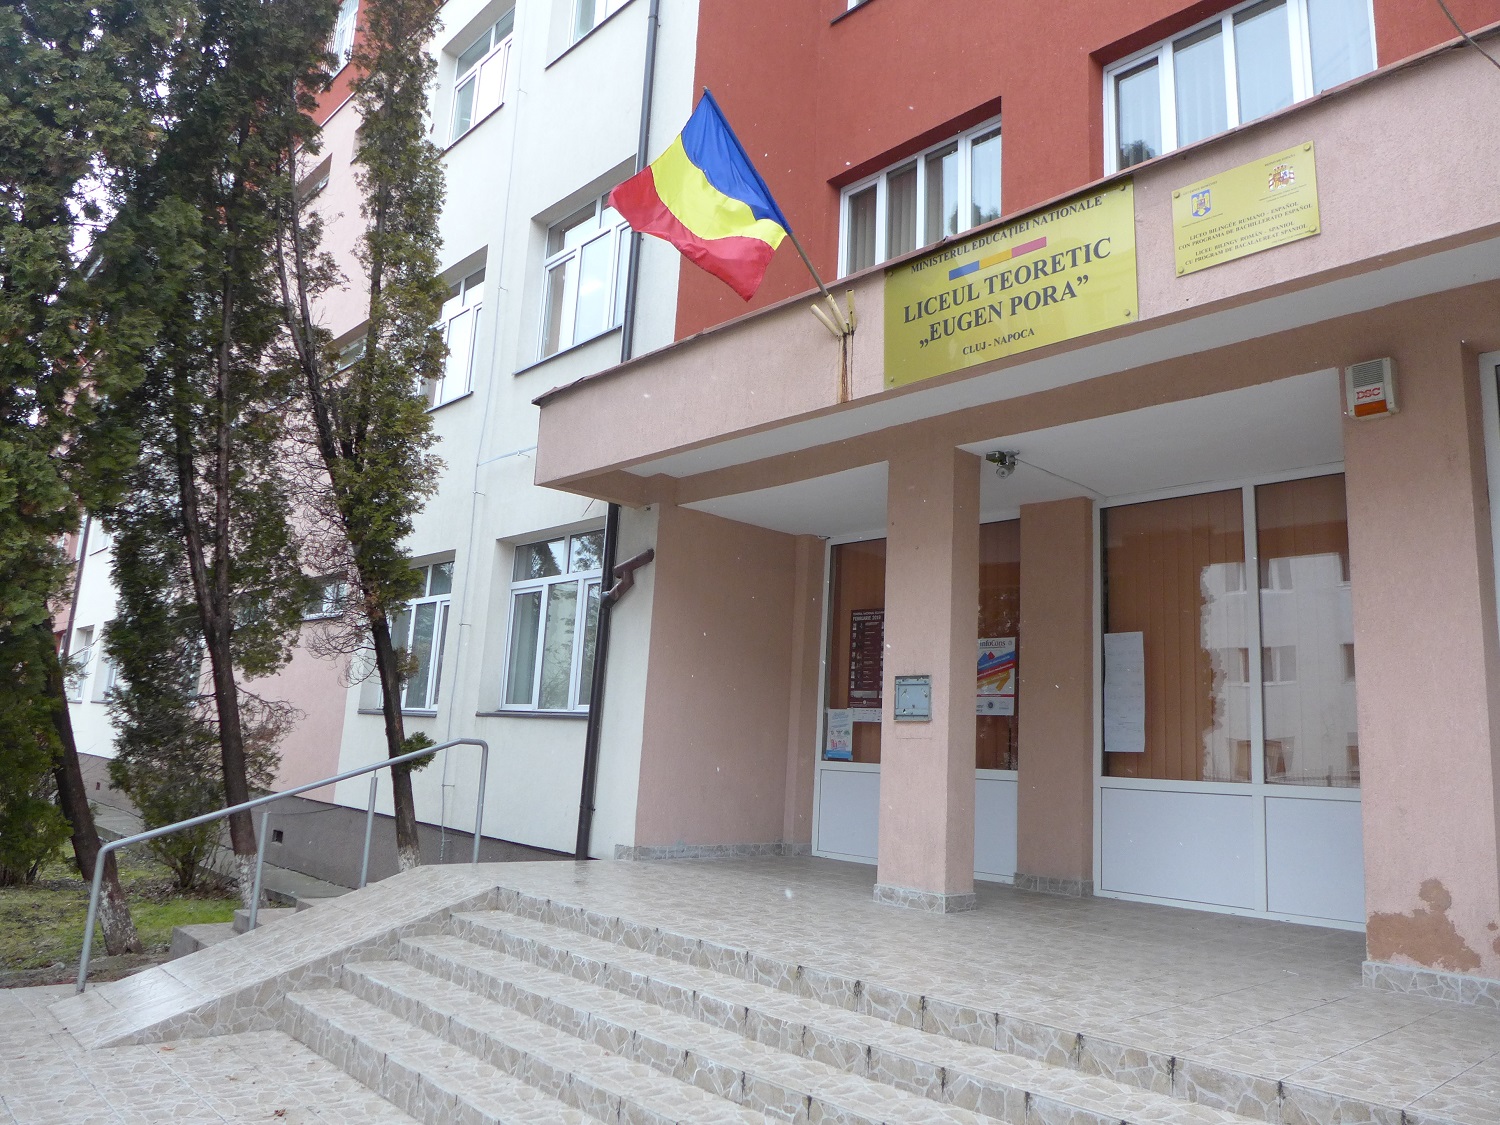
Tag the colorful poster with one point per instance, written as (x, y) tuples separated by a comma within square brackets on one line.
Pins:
[(840, 744), (1059, 273), (866, 657), (996, 693), (1265, 203)]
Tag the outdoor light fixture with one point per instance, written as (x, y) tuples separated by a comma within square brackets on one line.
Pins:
[(1004, 461)]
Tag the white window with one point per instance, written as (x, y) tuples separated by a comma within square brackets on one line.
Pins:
[(550, 656), (1250, 61), (587, 260), (1279, 664), (79, 658), (327, 600), (460, 315), (105, 679), (342, 47), (479, 76), (589, 14), (923, 199), (421, 631)]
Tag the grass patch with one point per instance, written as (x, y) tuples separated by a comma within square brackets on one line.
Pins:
[(41, 925)]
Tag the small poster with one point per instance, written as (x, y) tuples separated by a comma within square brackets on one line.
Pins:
[(840, 744), (1124, 693), (996, 689), (866, 715), (866, 657)]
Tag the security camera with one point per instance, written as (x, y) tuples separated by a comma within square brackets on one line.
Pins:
[(1004, 461)]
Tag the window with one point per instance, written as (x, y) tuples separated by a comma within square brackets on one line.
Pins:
[(585, 276), (421, 631), (460, 314), (106, 678), (1250, 61), (479, 76), (79, 657), (342, 47), (1278, 664), (327, 600), (550, 656), (942, 191), (589, 14)]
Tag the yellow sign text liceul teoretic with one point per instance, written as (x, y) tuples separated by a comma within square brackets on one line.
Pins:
[(1057, 274), (1245, 210)]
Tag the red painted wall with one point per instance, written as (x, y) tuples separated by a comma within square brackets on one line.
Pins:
[(820, 97)]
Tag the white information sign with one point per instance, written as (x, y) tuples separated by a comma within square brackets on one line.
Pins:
[(1124, 693)]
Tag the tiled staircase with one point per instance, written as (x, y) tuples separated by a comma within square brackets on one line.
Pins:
[(538, 1013)]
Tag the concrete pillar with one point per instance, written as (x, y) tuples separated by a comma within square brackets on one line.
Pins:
[(1055, 802), (804, 713), (926, 858), (1425, 647)]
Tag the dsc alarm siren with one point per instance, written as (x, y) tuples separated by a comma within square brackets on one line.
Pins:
[(1370, 389)]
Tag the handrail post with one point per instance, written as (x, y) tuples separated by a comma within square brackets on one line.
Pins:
[(373, 769), (88, 933), (364, 863), (260, 866), (484, 769)]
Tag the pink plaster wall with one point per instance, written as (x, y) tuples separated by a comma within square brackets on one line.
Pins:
[(315, 686), (1425, 641), (778, 364), (720, 690), (1055, 798), (931, 627)]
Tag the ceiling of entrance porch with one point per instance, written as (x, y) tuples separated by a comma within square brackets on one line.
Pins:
[(1283, 426)]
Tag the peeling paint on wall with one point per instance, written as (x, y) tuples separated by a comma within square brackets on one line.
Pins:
[(1426, 935)]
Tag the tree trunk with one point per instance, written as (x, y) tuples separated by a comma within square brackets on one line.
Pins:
[(387, 666), (114, 911)]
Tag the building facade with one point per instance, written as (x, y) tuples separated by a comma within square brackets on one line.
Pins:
[(1090, 564)]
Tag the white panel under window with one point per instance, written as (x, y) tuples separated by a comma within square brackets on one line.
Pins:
[(1197, 847), (1315, 864), (849, 813), (994, 826)]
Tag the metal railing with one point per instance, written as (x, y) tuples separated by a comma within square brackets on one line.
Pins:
[(260, 848)]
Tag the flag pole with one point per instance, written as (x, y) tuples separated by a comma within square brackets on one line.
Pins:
[(839, 317)]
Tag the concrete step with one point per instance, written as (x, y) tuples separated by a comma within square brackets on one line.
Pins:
[(769, 1082), (1202, 1083), (431, 1080), (200, 935), (572, 980), (582, 1075)]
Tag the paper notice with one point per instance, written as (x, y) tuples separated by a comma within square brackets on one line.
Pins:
[(1124, 693), (840, 745)]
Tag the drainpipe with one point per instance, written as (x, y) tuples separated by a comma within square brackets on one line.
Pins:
[(612, 519)]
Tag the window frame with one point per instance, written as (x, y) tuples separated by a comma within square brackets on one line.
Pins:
[(499, 48), (322, 607), (443, 601), (881, 179), (618, 231), (585, 581), (1161, 54), (603, 9), (75, 683), (346, 23), (469, 293)]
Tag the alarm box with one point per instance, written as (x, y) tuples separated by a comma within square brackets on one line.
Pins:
[(1370, 389)]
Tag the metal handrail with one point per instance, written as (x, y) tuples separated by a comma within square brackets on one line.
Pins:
[(260, 851)]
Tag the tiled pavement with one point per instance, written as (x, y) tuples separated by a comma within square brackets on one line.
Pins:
[(638, 991), (47, 1079)]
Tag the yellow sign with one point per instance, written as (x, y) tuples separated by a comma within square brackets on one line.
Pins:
[(1245, 210), (1059, 273)]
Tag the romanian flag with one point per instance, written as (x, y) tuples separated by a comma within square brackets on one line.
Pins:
[(705, 197)]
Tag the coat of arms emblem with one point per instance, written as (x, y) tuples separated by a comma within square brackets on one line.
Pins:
[(1202, 203)]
